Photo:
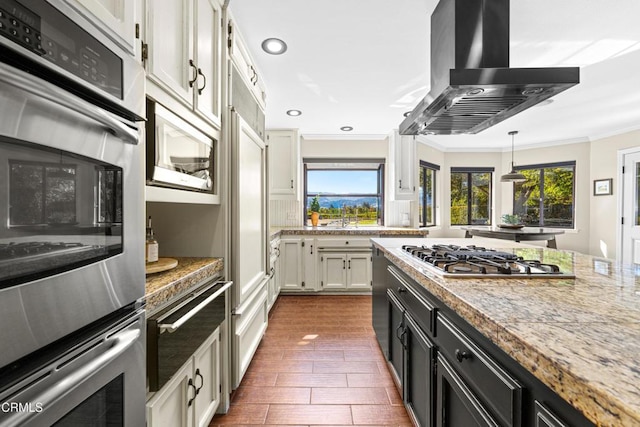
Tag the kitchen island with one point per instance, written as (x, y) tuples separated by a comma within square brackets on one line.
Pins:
[(579, 337)]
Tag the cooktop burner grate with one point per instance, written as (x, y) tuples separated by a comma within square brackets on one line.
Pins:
[(476, 261)]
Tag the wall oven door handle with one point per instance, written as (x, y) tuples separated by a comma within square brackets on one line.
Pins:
[(54, 94), (60, 382), (172, 327)]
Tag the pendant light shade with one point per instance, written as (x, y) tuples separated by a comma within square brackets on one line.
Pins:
[(513, 176)]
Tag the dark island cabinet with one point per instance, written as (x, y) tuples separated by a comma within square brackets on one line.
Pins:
[(411, 360), (457, 405), (448, 373)]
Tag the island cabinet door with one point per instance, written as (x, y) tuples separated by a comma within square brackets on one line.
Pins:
[(419, 374), (457, 406), (396, 339)]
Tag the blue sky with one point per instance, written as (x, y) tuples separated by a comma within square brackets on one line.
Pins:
[(341, 181)]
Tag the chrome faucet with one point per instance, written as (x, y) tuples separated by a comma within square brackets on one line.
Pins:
[(344, 220)]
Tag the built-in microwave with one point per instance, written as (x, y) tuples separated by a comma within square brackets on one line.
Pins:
[(178, 154)]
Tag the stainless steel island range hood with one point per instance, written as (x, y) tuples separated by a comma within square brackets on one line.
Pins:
[(472, 86)]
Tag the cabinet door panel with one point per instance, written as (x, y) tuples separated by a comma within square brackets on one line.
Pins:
[(396, 346), (419, 376), (457, 406), (169, 407), (334, 271), (290, 264), (207, 99), (359, 271), (283, 161), (170, 46), (207, 380)]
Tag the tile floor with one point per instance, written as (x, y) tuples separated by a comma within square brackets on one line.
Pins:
[(318, 364)]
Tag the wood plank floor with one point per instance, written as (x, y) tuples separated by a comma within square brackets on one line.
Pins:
[(318, 364)]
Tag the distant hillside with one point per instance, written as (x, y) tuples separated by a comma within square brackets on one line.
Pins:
[(338, 201)]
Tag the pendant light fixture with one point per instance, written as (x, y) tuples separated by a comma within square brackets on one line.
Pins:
[(513, 176)]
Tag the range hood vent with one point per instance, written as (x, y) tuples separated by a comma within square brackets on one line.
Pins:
[(472, 86)]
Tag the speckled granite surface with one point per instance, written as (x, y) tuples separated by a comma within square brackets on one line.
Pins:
[(349, 231), (581, 337), (164, 286)]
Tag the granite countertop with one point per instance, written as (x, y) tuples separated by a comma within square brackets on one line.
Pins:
[(348, 231), (581, 337), (164, 286)]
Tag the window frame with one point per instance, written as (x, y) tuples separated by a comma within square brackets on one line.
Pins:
[(424, 167), (470, 171), (541, 167), (380, 181)]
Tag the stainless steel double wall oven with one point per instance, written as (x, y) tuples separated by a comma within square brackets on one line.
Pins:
[(71, 215)]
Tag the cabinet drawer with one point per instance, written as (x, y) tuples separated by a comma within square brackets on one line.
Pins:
[(421, 309), (488, 380), (343, 243)]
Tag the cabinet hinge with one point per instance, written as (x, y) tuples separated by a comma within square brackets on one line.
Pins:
[(622, 220), (623, 169), (137, 31), (229, 35), (144, 51)]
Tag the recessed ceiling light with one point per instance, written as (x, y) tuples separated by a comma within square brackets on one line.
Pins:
[(274, 46), (294, 112), (346, 128)]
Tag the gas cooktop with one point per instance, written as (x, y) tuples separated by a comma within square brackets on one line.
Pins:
[(479, 262)]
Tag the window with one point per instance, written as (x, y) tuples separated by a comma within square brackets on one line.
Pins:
[(471, 196), (42, 193), (547, 197), (428, 193), (352, 190)]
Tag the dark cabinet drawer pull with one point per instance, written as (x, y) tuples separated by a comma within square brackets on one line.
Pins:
[(190, 384), (402, 290), (461, 355)]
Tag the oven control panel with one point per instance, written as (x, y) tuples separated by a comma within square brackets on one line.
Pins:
[(41, 29)]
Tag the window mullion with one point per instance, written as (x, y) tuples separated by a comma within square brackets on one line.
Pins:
[(541, 203), (469, 197)]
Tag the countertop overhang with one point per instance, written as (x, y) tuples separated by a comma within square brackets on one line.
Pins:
[(580, 337)]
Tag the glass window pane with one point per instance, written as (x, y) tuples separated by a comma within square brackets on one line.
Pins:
[(546, 199), (429, 199), (60, 196), (340, 181), (459, 198), (558, 197), (349, 194), (526, 202), (481, 198)]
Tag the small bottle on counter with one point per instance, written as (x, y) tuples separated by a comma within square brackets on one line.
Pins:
[(151, 246)]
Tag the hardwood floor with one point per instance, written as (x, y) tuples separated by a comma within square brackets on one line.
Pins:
[(318, 364)]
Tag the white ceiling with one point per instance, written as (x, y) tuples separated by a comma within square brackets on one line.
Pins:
[(363, 63)]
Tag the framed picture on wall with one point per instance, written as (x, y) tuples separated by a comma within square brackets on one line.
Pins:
[(603, 187)]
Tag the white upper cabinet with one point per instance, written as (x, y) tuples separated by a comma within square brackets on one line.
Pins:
[(246, 66), (402, 153), (116, 18), (184, 53), (284, 149)]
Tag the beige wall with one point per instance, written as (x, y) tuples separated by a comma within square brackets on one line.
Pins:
[(377, 148), (603, 238)]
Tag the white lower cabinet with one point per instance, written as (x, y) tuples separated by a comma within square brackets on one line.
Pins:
[(298, 264), (192, 395), (325, 264), (348, 271)]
